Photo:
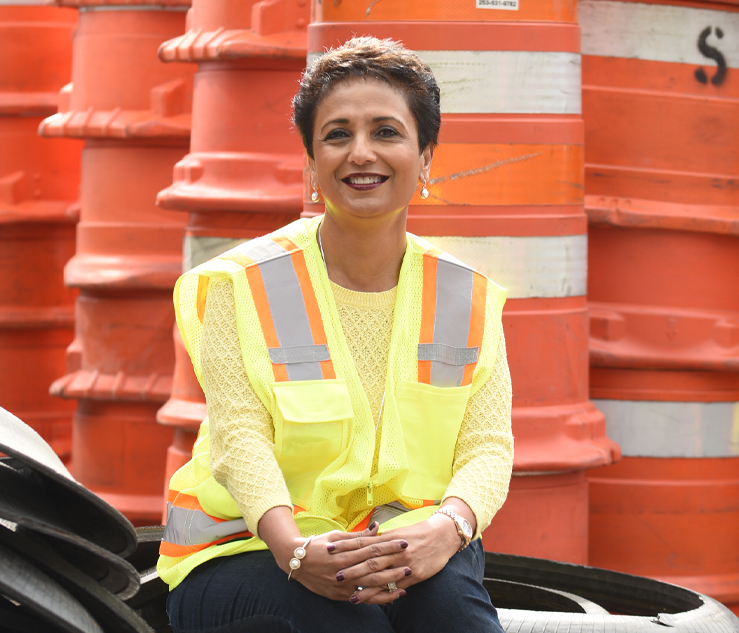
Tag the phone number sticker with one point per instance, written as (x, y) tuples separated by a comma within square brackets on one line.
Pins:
[(508, 5)]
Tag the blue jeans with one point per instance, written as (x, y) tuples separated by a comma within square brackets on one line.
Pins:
[(249, 593)]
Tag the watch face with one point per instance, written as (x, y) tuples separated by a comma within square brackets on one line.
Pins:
[(466, 528)]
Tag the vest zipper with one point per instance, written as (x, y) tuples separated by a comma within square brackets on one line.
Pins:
[(370, 496)]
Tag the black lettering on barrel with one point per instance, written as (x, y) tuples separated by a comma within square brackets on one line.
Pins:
[(711, 53)]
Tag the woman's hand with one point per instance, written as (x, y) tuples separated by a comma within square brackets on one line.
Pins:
[(328, 554), (431, 544)]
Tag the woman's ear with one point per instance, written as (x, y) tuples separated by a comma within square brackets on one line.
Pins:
[(427, 156)]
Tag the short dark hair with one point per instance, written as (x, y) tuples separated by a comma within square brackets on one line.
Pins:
[(386, 60)]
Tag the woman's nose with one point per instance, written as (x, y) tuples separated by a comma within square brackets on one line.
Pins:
[(361, 150)]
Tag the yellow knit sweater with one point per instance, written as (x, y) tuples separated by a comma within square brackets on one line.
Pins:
[(242, 435)]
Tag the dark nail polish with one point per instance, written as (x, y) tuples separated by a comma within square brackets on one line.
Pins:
[(408, 571), (402, 593), (330, 547), (374, 525), (340, 576), (354, 599), (403, 544)]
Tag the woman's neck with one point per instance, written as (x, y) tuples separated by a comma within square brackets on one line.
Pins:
[(365, 259)]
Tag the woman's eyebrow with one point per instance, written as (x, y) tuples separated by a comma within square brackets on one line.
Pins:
[(339, 121), (377, 119)]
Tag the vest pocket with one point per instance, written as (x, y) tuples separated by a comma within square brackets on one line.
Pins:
[(311, 430), (430, 418)]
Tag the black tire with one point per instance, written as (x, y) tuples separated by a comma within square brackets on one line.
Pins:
[(632, 603), (150, 602)]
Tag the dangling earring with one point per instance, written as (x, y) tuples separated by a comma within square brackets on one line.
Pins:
[(424, 191), (314, 196)]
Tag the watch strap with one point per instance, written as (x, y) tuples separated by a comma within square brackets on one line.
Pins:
[(458, 524)]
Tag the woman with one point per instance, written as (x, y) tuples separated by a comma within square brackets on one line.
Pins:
[(357, 386)]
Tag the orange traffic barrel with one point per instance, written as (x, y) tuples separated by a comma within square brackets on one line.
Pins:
[(506, 196), (243, 176), (660, 109), (38, 183), (183, 412), (134, 114)]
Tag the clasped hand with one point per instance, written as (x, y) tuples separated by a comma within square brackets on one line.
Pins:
[(338, 563)]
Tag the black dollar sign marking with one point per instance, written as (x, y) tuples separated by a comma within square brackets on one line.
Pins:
[(714, 54)]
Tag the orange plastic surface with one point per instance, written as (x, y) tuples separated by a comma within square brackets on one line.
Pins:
[(243, 176), (661, 168), (133, 112), (511, 175), (454, 36), (440, 10), (669, 137), (38, 183), (671, 519), (683, 314), (544, 516), (128, 93)]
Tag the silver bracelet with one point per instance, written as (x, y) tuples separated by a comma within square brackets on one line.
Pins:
[(298, 555)]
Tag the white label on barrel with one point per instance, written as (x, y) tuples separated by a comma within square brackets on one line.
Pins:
[(508, 5)]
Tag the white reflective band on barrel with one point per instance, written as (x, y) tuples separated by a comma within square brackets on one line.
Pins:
[(194, 527), (524, 82), (197, 250), (449, 352), (287, 307), (659, 32), (672, 429), (507, 81), (525, 266)]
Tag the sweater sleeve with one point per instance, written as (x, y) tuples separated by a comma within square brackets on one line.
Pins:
[(242, 457), (483, 457)]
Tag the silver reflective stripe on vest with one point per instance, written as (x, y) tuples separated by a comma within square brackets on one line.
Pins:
[(454, 282), (672, 429), (298, 354), (262, 250), (194, 527), (449, 355), (389, 511), (287, 307), (386, 512)]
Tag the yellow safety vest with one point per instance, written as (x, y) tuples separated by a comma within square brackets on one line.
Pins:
[(443, 347)]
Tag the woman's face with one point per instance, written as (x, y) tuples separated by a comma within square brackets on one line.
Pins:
[(365, 146)]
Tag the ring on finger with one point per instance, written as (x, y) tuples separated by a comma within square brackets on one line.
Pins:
[(391, 586), (358, 589)]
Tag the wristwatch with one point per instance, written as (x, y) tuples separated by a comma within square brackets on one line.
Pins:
[(464, 529)]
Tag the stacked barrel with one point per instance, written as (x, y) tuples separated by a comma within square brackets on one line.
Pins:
[(661, 105), (506, 196), (38, 186), (243, 176), (133, 113)]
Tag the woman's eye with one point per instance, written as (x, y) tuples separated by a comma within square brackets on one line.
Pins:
[(336, 134), (387, 132)]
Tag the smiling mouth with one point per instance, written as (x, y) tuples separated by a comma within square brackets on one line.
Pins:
[(364, 182)]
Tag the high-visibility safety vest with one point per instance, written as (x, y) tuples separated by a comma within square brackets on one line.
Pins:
[(443, 347)]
